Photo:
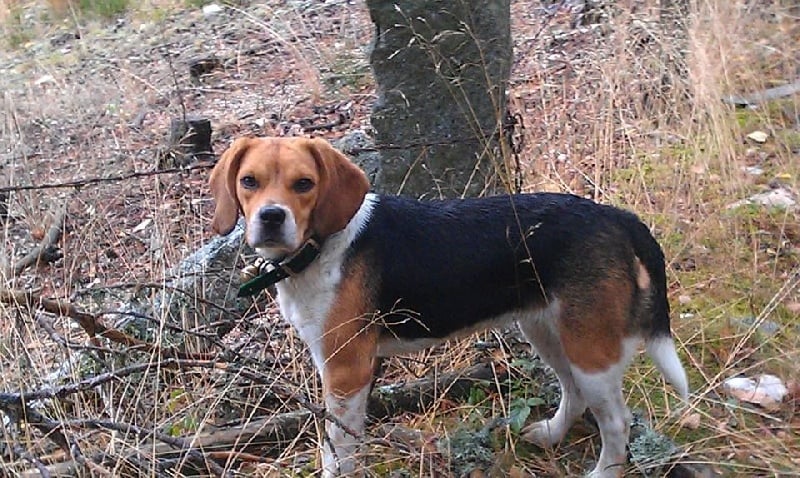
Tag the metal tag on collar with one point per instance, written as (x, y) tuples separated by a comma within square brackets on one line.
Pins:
[(260, 277)]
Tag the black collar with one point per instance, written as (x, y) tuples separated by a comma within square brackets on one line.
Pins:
[(272, 272)]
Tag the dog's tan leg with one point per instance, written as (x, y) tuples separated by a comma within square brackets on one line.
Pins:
[(592, 328), (347, 381), (349, 347), (344, 432)]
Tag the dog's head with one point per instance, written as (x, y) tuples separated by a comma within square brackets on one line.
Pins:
[(288, 189)]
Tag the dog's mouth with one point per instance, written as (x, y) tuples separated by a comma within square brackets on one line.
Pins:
[(270, 242), (272, 246)]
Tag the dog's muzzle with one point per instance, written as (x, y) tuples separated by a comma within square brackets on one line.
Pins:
[(272, 227)]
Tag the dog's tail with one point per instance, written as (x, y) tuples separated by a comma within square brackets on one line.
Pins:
[(661, 349), (659, 343)]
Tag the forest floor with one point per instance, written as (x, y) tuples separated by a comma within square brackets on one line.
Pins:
[(89, 96)]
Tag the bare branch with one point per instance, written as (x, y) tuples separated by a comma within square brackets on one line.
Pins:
[(35, 255), (181, 444), (92, 325)]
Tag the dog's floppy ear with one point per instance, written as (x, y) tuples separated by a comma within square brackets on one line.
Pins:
[(223, 186), (343, 186)]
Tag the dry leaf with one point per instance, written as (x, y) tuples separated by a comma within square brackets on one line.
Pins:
[(765, 390), (793, 307), (142, 225)]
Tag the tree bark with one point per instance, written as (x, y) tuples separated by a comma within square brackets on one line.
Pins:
[(442, 68)]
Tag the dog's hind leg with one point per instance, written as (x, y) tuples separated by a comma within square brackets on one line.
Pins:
[(539, 332), (603, 393), (595, 336)]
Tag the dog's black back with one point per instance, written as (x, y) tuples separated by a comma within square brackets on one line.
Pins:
[(463, 261)]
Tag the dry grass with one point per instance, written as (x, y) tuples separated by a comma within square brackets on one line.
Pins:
[(599, 123)]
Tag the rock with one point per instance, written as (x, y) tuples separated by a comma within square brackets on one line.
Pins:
[(758, 136), (45, 79), (211, 274), (442, 67), (691, 421), (779, 197), (753, 170), (211, 10), (201, 291)]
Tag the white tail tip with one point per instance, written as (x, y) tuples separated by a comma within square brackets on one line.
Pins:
[(662, 351)]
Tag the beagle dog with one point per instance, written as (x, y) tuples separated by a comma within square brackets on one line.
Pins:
[(388, 275)]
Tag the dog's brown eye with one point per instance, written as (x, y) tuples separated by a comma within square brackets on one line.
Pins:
[(303, 185), (248, 182)]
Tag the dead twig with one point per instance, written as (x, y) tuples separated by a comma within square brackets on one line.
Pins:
[(34, 257), (80, 183), (181, 444), (20, 412), (43, 322), (12, 399), (19, 451)]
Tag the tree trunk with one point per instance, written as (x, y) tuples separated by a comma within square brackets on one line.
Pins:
[(442, 68)]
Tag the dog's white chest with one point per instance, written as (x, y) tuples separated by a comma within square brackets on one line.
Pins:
[(305, 299)]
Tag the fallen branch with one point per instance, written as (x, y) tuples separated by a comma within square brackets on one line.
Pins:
[(35, 256), (417, 395), (763, 96), (182, 445), (269, 437), (265, 436), (93, 325)]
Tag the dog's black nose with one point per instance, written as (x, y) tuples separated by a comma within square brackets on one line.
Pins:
[(272, 216)]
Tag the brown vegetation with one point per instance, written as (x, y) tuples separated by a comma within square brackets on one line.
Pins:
[(606, 115)]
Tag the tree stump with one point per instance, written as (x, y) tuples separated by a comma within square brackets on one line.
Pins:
[(189, 139)]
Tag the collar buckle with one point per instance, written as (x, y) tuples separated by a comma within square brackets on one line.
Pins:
[(265, 273)]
